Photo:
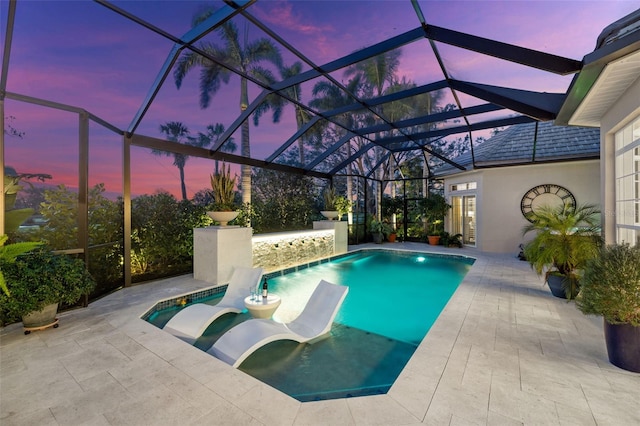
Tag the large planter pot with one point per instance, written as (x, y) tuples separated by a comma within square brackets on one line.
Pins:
[(42, 318), (555, 285), (434, 240), (377, 237), (623, 345), (223, 217), (330, 214), (392, 238)]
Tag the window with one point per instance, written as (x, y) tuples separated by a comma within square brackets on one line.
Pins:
[(627, 172), (463, 186)]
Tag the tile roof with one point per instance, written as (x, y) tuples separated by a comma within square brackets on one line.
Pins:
[(515, 144)]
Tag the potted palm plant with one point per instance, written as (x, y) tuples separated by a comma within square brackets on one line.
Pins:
[(610, 288), (38, 281), (224, 208), (567, 236), (434, 208)]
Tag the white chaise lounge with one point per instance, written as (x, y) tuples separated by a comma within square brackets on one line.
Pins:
[(192, 321), (314, 321)]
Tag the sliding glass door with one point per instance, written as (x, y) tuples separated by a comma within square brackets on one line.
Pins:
[(463, 217)]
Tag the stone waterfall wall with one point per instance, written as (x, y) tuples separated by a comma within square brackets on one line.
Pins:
[(282, 250)]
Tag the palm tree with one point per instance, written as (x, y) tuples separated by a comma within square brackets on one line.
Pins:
[(176, 132), (327, 96), (213, 133), (277, 103), (247, 57)]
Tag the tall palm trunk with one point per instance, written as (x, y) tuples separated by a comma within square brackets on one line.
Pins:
[(183, 187), (245, 145), (300, 122)]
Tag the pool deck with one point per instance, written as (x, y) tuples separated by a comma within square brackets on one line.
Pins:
[(503, 352)]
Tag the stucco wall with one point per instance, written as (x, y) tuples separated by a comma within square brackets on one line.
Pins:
[(500, 190)]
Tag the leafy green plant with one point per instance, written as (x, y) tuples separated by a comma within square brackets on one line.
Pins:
[(610, 286), (223, 190), (9, 253), (567, 237), (449, 240), (39, 278), (434, 208), (391, 206), (342, 205)]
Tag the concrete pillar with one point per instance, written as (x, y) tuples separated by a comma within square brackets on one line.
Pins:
[(218, 249), (341, 233)]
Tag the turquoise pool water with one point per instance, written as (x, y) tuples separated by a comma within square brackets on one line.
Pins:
[(393, 300)]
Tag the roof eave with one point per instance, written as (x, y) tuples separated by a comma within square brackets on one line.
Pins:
[(594, 64)]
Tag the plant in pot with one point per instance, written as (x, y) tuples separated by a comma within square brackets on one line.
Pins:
[(567, 237), (449, 240), (610, 287), (376, 228), (329, 197), (224, 208), (433, 209), (38, 281), (391, 208)]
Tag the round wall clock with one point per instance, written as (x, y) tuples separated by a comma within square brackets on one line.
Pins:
[(547, 194)]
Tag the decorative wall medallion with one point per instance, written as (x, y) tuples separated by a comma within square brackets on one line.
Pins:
[(547, 194)]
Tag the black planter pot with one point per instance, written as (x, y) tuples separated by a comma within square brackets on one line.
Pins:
[(555, 285), (623, 345)]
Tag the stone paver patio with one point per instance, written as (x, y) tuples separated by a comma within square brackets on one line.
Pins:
[(503, 352)]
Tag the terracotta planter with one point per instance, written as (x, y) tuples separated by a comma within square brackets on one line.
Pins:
[(434, 240), (392, 238), (223, 217), (623, 345), (41, 318)]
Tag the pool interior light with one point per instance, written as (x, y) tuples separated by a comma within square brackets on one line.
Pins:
[(420, 259)]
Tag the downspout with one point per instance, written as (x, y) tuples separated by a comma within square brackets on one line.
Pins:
[(535, 142)]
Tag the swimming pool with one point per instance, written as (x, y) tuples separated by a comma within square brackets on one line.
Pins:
[(394, 298)]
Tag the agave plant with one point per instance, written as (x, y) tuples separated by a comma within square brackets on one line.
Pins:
[(223, 190), (567, 238)]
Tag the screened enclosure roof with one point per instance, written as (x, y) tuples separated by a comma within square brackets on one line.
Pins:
[(354, 86)]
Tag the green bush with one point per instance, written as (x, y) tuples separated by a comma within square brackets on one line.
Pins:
[(39, 278), (610, 286)]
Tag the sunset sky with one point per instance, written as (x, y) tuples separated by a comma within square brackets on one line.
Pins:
[(82, 54)]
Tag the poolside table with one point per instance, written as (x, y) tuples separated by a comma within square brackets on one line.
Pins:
[(261, 308)]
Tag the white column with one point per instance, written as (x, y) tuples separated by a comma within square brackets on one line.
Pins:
[(217, 250), (341, 233)]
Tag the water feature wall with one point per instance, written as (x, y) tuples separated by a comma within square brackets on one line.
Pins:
[(281, 250), (217, 250)]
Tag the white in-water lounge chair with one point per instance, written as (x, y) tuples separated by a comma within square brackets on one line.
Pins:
[(314, 321), (192, 321)]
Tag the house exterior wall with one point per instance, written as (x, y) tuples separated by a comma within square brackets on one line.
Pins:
[(499, 220), (625, 110)]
